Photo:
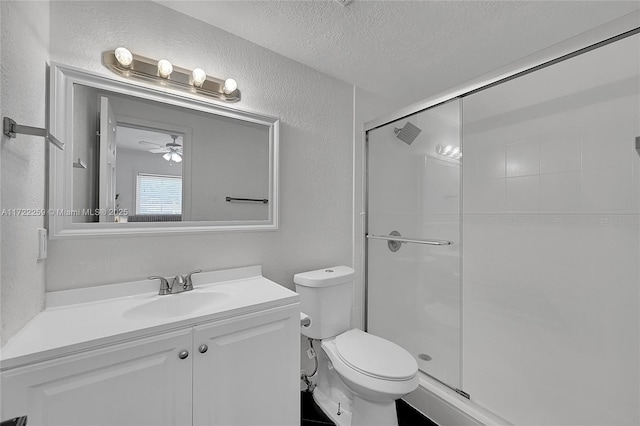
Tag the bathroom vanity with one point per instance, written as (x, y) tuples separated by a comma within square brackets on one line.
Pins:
[(226, 353)]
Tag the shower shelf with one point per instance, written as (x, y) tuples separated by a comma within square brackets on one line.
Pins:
[(408, 240)]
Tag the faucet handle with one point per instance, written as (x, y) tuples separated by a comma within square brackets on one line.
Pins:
[(165, 288), (188, 283)]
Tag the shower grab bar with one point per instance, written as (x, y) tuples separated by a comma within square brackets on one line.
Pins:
[(409, 240)]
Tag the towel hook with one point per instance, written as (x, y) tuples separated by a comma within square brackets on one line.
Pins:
[(11, 128)]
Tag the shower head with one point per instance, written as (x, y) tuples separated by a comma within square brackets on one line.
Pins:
[(408, 133)]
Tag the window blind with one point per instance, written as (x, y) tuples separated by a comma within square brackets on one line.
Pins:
[(157, 194)]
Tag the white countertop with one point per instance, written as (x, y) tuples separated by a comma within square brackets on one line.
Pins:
[(78, 320)]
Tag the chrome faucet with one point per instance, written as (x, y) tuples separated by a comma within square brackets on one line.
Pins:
[(178, 285), (178, 281)]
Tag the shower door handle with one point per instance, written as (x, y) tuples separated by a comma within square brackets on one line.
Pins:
[(409, 240)]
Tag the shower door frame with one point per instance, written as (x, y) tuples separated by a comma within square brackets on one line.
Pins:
[(622, 28)]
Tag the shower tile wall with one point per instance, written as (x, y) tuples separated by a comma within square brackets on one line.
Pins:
[(551, 242)]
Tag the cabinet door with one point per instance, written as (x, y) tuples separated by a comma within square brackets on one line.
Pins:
[(249, 374), (136, 383)]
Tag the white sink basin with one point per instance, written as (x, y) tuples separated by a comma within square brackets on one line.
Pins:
[(176, 305)]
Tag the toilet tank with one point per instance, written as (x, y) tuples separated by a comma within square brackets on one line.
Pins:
[(325, 295)]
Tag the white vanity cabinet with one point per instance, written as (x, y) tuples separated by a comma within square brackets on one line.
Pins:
[(244, 377), (143, 382), (239, 371)]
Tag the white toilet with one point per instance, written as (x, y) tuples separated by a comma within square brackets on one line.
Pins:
[(359, 375)]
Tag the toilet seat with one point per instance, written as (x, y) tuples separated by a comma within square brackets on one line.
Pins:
[(374, 356)]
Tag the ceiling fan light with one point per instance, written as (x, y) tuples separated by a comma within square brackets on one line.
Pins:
[(176, 157), (167, 156)]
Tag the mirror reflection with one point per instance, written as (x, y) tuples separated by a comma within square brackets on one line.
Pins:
[(146, 161)]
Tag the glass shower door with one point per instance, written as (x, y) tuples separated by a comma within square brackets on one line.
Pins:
[(413, 191), (552, 242)]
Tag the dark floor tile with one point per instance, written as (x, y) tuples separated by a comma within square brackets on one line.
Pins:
[(311, 412), (312, 415), (315, 423), (409, 416)]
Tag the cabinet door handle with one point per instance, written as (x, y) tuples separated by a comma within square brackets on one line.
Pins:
[(203, 348), (183, 354)]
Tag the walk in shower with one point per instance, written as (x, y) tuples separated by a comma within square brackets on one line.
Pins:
[(503, 240)]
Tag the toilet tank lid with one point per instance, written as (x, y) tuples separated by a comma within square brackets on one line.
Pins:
[(324, 277)]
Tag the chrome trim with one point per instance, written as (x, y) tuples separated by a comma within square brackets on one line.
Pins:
[(409, 240), (247, 200), (10, 128)]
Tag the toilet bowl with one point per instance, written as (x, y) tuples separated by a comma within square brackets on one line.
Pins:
[(372, 367), (359, 375), (376, 371)]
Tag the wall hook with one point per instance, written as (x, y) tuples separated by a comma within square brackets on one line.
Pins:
[(11, 128)]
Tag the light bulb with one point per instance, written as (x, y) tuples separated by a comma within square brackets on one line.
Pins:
[(167, 156), (230, 86), (123, 56), (164, 68), (199, 77), (176, 157)]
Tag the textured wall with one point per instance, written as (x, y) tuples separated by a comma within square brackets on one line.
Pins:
[(315, 160), (25, 48)]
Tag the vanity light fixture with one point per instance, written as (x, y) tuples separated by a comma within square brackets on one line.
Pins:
[(124, 63), (199, 77), (123, 56), (230, 86), (164, 68)]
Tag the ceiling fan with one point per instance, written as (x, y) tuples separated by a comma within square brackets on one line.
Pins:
[(172, 151)]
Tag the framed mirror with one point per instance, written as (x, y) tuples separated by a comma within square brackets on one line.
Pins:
[(146, 160)]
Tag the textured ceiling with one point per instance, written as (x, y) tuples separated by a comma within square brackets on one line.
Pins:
[(404, 50)]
